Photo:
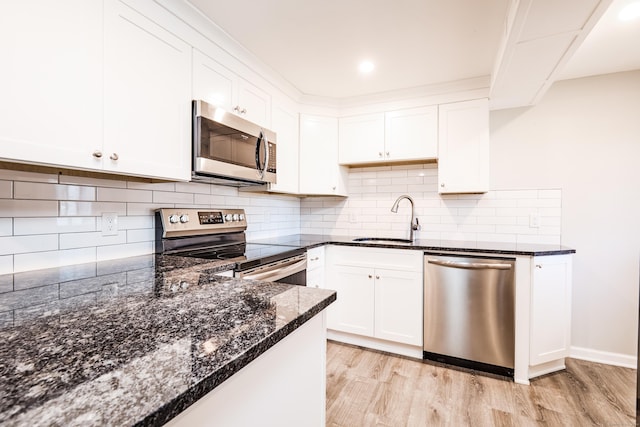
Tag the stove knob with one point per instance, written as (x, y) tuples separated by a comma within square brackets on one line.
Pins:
[(228, 217), (184, 218), (236, 217), (173, 219), (241, 217)]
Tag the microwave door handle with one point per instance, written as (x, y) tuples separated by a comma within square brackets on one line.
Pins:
[(261, 139), (266, 155)]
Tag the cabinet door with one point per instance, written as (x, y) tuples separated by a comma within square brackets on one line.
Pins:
[(398, 306), (284, 119), (315, 278), (412, 134), (463, 154), (147, 109), (353, 310), (361, 139), (320, 173), (51, 82), (212, 82), (550, 309), (254, 104)]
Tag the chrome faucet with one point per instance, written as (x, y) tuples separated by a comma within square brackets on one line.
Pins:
[(412, 227)]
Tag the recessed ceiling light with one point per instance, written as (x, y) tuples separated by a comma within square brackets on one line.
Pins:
[(629, 12), (366, 67)]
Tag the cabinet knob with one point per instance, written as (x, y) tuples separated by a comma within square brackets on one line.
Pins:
[(97, 154), (387, 154), (442, 185), (243, 111), (538, 266), (370, 276), (377, 277), (333, 188), (114, 157), (380, 154)]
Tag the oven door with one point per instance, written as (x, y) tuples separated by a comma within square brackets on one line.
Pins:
[(292, 271)]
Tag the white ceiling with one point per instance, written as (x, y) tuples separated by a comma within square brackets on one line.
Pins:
[(316, 45)]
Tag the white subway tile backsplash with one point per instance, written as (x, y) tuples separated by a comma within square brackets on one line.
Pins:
[(123, 251), (6, 226), (92, 239), (143, 208), (135, 222), (11, 175), (6, 189), (95, 182), (24, 244), (27, 208), (171, 197), (24, 226), (157, 186), (6, 264), (141, 235), (124, 195), (41, 191), (68, 208)]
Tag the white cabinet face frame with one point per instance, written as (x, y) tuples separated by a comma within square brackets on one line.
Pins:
[(285, 122), (213, 82)]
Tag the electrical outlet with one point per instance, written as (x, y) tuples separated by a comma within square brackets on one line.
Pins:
[(534, 220), (109, 224)]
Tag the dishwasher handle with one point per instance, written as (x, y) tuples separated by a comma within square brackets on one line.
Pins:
[(470, 265)]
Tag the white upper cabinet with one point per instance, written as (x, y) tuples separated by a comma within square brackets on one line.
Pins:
[(218, 85), (51, 82), (403, 135), (213, 82), (411, 134), (253, 104), (147, 110), (320, 173), (284, 120), (463, 159), (361, 139)]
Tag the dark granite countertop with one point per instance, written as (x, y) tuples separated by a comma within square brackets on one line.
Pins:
[(314, 240), (134, 341)]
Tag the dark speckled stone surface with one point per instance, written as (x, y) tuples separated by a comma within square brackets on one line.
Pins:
[(527, 249), (133, 341)]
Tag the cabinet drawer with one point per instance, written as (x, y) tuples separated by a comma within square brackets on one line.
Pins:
[(315, 258), (392, 259)]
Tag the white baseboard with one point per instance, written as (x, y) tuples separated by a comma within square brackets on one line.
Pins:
[(608, 358)]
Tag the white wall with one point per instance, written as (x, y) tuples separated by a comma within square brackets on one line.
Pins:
[(51, 219), (584, 138)]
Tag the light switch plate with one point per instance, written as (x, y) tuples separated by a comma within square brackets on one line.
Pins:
[(534, 220), (109, 224)]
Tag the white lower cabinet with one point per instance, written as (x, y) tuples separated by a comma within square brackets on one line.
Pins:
[(315, 267), (379, 293), (550, 309)]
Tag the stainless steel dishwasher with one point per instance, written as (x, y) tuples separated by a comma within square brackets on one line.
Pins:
[(469, 312)]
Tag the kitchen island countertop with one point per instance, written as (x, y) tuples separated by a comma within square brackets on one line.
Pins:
[(134, 341)]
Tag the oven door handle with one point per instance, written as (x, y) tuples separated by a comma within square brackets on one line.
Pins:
[(272, 274)]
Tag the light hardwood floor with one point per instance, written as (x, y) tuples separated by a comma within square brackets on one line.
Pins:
[(371, 388)]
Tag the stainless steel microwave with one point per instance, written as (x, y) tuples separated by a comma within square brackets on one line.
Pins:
[(228, 149)]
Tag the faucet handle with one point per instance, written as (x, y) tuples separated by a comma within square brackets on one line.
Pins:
[(416, 226)]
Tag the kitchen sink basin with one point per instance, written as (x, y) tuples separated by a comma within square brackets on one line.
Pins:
[(382, 240)]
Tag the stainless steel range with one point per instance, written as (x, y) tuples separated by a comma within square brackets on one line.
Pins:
[(220, 234)]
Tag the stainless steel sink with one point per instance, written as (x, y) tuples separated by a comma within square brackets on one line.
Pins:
[(382, 240)]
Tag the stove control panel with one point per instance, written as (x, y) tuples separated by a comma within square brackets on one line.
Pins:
[(186, 222)]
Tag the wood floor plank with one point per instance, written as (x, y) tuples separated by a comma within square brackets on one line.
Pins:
[(372, 388)]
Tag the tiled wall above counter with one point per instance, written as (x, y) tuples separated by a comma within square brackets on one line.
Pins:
[(51, 219), (516, 216)]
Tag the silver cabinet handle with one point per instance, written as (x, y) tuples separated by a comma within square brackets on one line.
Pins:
[(315, 259), (370, 276), (442, 185), (387, 154), (538, 266), (377, 277), (114, 157), (380, 154), (97, 154), (470, 265)]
